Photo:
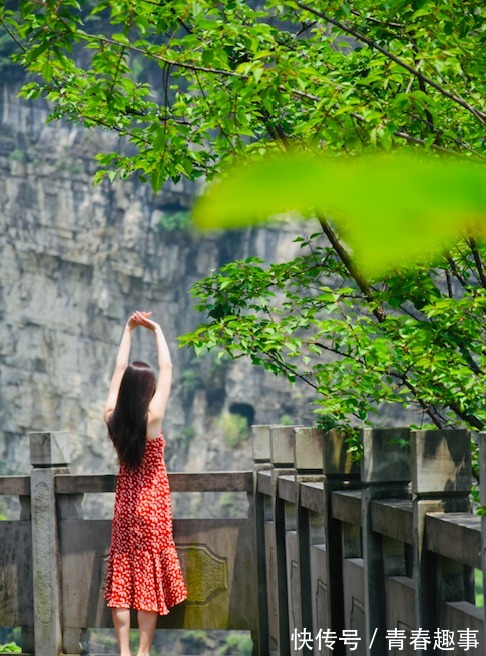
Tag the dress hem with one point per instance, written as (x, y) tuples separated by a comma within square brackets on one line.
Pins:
[(148, 610)]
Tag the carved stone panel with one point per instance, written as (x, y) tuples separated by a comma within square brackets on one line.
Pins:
[(206, 573), (218, 563)]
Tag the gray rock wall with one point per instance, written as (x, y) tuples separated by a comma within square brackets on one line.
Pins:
[(75, 261)]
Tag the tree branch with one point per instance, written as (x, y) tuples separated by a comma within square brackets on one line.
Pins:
[(481, 116), (455, 270), (401, 377), (371, 19), (474, 421), (397, 133), (285, 367), (351, 267), (470, 419), (12, 35), (171, 62), (477, 259)]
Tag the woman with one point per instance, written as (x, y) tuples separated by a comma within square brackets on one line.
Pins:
[(143, 568)]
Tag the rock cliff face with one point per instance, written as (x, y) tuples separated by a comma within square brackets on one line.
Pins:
[(75, 261)]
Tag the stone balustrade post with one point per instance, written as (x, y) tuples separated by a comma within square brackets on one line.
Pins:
[(323, 466), (273, 452), (385, 473), (260, 438), (297, 534), (441, 482), (341, 473), (27, 632), (48, 456), (308, 460), (282, 460)]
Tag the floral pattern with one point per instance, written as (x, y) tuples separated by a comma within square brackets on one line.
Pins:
[(144, 572)]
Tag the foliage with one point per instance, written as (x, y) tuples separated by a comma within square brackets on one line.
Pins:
[(190, 379), (238, 644), (17, 155), (478, 588), (10, 648), (175, 221), (286, 420), (7, 48), (249, 78), (239, 80), (417, 337), (233, 427), (188, 433)]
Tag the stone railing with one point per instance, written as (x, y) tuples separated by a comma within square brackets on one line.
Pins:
[(373, 559), (333, 557), (52, 560)]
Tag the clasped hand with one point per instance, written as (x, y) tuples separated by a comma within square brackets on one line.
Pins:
[(141, 319)]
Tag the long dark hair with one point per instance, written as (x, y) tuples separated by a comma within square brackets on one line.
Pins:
[(127, 426)]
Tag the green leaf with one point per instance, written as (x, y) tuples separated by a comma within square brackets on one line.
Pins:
[(393, 209), (156, 179)]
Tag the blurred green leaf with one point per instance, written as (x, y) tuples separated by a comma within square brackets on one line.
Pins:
[(392, 209)]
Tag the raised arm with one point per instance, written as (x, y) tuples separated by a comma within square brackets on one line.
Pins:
[(158, 403), (164, 379), (120, 366)]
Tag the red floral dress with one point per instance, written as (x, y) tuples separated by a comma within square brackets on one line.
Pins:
[(144, 572)]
